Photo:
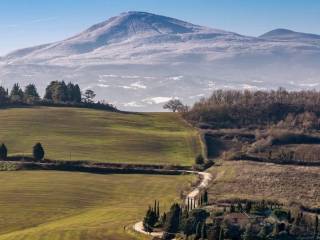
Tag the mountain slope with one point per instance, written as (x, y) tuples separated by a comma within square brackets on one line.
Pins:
[(139, 60)]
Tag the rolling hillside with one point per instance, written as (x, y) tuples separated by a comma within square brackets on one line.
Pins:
[(42, 205), (82, 134)]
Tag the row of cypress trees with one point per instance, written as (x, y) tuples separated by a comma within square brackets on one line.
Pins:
[(38, 152)]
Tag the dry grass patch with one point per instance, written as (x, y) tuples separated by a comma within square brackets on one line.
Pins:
[(257, 181)]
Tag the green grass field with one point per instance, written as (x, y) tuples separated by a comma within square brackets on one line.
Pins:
[(49, 205), (84, 134)]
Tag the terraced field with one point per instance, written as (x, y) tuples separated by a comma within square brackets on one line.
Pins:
[(84, 134), (49, 205)]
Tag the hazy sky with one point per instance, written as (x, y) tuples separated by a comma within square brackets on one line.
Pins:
[(26, 23)]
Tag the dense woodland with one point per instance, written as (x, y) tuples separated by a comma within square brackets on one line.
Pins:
[(236, 109), (57, 93)]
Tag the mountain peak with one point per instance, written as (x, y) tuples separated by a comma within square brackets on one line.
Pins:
[(135, 22)]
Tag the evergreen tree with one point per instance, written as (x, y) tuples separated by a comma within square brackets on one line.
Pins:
[(38, 152), (232, 208), (173, 221), (149, 220), (248, 207), (16, 94), (184, 221), (221, 235), (3, 96), (31, 94), (3, 152), (158, 210), (289, 217), (205, 197), (74, 93), (316, 227), (204, 231), (198, 230)]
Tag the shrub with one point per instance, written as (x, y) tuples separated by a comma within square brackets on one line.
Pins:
[(199, 160)]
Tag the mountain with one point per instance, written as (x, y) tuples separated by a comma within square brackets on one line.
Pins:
[(123, 34), (139, 60), (289, 35)]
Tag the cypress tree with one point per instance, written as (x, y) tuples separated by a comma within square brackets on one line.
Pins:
[(198, 230), (38, 152), (248, 206), (215, 231), (289, 217), (163, 218), (232, 208), (150, 220), (173, 220), (204, 231), (3, 152), (205, 197), (316, 227), (221, 235)]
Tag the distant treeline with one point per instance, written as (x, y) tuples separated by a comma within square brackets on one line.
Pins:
[(235, 109), (57, 93)]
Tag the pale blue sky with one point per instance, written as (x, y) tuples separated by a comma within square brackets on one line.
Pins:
[(26, 23)]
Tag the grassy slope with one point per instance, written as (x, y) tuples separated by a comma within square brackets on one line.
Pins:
[(250, 180), (71, 206), (157, 138)]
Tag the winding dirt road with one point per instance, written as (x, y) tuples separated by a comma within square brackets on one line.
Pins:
[(205, 180)]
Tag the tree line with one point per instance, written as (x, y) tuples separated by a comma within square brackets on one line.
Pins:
[(235, 109), (56, 93)]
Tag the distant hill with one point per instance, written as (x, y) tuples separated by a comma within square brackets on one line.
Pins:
[(288, 35), (139, 60)]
